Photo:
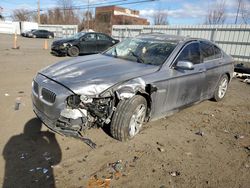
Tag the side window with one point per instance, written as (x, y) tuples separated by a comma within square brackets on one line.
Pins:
[(102, 37), (217, 52), (190, 53), (90, 37), (207, 51)]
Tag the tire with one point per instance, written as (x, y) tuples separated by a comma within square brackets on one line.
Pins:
[(34, 36), (73, 51), (50, 37), (221, 88), (124, 125)]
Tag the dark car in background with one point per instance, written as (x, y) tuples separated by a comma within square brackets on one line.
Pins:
[(40, 33), (138, 80), (82, 43)]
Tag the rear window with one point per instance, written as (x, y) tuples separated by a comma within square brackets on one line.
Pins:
[(209, 51), (217, 52), (102, 37)]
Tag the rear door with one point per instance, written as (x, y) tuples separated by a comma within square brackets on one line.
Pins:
[(43, 33), (103, 42), (213, 62), (88, 43)]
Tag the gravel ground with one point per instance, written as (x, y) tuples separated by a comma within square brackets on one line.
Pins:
[(167, 153)]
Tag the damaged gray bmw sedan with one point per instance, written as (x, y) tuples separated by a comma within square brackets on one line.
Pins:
[(138, 80)]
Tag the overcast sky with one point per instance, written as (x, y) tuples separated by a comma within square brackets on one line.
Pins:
[(179, 11)]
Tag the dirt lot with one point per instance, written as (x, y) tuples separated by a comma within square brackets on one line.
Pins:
[(167, 153)]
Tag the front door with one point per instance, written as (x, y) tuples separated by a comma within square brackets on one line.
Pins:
[(180, 87), (88, 44)]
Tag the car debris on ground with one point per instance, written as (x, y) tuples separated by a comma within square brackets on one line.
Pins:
[(247, 148), (243, 72), (160, 149), (17, 103), (111, 171), (239, 136), (200, 133), (175, 173)]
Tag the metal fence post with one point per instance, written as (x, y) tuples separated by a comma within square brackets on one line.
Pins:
[(213, 34), (179, 32)]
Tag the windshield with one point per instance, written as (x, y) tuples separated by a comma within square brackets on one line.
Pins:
[(77, 35), (147, 51)]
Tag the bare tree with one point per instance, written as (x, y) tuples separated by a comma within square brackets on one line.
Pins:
[(160, 18), (1, 16), (245, 12), (217, 15), (85, 24), (64, 13), (68, 13), (21, 15)]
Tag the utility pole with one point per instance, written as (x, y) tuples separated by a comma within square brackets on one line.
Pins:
[(88, 17), (238, 9), (38, 11)]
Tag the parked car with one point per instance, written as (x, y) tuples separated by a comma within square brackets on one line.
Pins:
[(241, 68), (138, 80), (41, 34), (83, 43), (26, 33)]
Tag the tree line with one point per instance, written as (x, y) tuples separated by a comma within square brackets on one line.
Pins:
[(65, 13)]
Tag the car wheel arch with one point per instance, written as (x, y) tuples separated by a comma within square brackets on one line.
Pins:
[(149, 103), (228, 75), (141, 92)]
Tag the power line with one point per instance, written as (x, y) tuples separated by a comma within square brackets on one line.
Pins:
[(82, 7)]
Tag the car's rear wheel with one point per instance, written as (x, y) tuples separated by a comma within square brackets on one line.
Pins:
[(73, 51), (34, 36), (128, 118), (221, 88), (50, 37)]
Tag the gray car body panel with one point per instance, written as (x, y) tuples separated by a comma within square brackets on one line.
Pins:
[(91, 75), (94, 75)]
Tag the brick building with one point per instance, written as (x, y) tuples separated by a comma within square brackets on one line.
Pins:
[(107, 16)]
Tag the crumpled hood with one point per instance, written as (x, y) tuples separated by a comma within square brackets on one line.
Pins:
[(61, 41), (91, 75)]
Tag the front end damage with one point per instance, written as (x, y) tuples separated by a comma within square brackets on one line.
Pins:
[(70, 114)]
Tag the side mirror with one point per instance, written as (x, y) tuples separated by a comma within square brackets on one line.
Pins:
[(82, 39), (185, 65)]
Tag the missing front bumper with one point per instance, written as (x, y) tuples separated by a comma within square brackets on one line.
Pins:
[(62, 130)]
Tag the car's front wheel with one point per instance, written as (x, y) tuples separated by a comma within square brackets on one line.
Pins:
[(221, 88), (128, 118), (73, 51)]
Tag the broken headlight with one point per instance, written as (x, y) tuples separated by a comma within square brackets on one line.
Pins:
[(74, 101), (85, 99)]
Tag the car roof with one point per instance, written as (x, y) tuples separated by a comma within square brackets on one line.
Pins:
[(166, 37)]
